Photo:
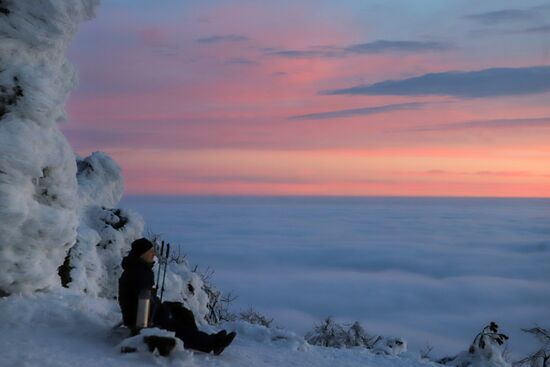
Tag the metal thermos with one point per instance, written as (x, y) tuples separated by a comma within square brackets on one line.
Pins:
[(144, 304)]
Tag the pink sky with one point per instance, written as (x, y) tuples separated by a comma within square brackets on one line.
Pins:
[(235, 98)]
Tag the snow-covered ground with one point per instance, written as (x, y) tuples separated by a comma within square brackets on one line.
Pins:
[(65, 328)]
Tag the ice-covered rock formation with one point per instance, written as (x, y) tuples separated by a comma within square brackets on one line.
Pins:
[(38, 187), (54, 208)]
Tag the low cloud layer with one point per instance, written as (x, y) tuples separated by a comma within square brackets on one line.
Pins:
[(431, 270), (493, 82)]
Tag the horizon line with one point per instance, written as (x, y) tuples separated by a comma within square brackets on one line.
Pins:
[(159, 195)]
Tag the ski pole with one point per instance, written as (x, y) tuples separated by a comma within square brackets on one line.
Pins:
[(160, 264), (164, 275)]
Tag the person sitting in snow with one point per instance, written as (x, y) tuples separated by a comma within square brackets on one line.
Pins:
[(173, 316)]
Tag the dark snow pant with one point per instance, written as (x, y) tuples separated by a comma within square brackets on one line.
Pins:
[(175, 317)]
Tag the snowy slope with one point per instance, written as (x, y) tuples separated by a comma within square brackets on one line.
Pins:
[(68, 329)]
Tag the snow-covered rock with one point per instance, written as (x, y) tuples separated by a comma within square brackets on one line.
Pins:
[(104, 232), (103, 239), (100, 180), (390, 345), (487, 350), (183, 285)]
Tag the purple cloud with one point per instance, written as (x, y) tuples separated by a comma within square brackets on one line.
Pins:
[(359, 111), (493, 82), (222, 39), (493, 124), (375, 47), (509, 15)]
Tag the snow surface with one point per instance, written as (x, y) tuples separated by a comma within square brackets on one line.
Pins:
[(65, 328)]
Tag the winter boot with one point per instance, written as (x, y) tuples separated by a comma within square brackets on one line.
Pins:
[(224, 342)]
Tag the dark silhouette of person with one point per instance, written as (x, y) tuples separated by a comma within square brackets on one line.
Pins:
[(173, 316)]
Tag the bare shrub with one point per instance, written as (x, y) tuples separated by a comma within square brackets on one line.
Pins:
[(254, 317), (426, 351), (541, 357), (218, 302), (327, 334)]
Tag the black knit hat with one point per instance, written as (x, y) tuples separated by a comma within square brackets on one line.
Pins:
[(140, 246)]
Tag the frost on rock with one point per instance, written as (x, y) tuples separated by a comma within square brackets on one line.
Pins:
[(104, 232), (100, 181), (38, 187), (103, 239)]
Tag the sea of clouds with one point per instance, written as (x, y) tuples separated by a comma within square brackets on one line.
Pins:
[(434, 271)]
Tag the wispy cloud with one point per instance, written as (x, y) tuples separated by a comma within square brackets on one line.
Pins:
[(492, 124), (486, 173), (359, 111), (507, 173), (375, 47), (222, 38), (313, 52), (397, 46), (239, 61), (501, 16), (509, 15), (541, 29), (464, 84)]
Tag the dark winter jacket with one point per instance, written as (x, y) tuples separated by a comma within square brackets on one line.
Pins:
[(137, 276)]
